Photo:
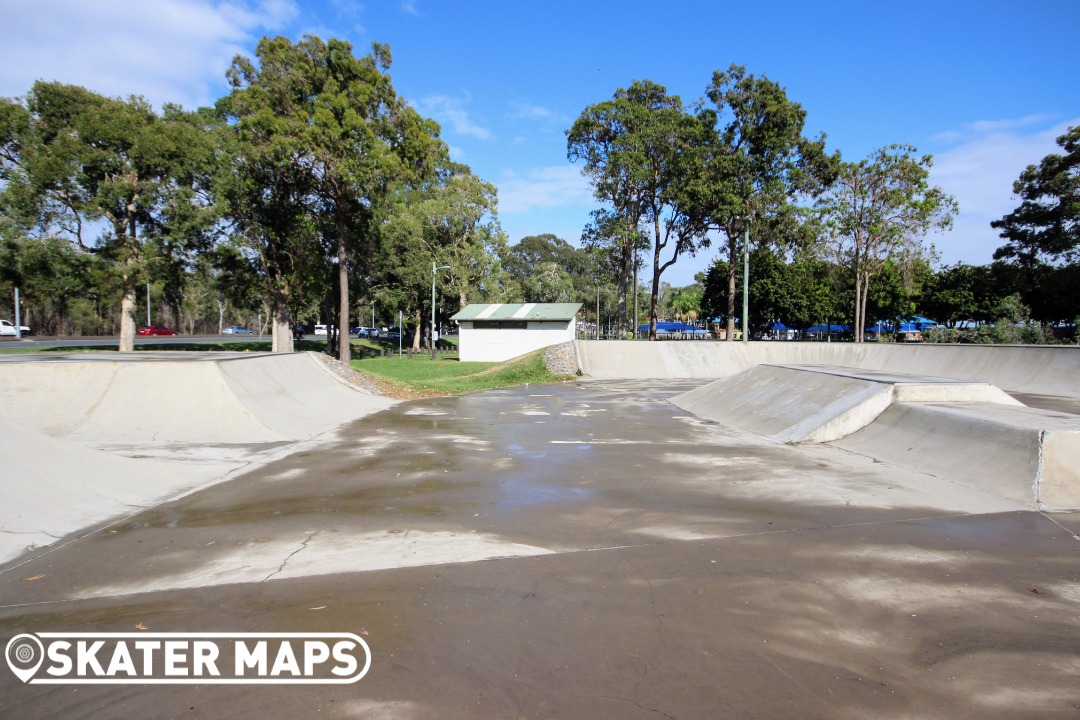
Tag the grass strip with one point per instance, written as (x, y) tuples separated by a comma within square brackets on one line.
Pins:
[(421, 376)]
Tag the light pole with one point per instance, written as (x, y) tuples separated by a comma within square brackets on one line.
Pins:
[(598, 309), (434, 272)]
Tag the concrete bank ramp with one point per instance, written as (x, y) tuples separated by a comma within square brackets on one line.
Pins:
[(1015, 452), (50, 488), (966, 432), (90, 437), (1040, 369), (820, 403), (217, 398)]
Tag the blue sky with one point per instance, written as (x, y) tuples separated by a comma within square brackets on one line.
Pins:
[(985, 87)]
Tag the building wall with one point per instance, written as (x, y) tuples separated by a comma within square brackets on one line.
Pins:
[(484, 344)]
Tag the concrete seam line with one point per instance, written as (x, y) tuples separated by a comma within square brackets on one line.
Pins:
[(578, 357), (1036, 487), (1070, 532)]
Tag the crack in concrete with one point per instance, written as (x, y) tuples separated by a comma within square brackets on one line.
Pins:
[(653, 710), (659, 620), (1070, 532), (29, 532), (303, 546)]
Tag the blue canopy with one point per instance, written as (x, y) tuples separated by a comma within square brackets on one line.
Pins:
[(917, 325), (829, 328), (666, 328)]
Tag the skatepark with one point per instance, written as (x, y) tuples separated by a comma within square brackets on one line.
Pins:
[(686, 530)]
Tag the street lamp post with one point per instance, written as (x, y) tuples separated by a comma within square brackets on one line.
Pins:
[(434, 272)]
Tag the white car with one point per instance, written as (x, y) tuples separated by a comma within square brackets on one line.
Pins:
[(8, 329)]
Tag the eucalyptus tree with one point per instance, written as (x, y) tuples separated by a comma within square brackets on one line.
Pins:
[(321, 139), (642, 149), (1046, 224), (616, 244), (880, 209), (757, 162), (549, 269), (450, 222), (601, 137), (75, 161)]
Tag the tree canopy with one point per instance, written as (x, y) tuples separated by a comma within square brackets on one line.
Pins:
[(1046, 224), (879, 209)]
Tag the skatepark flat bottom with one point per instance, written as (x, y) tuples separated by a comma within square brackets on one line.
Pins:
[(585, 550)]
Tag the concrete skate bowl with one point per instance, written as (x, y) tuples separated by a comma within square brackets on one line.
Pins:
[(89, 437), (940, 410)]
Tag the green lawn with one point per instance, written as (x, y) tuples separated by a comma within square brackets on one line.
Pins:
[(421, 376)]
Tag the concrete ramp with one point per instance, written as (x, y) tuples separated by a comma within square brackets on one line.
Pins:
[(90, 437), (213, 398), (1043, 369), (965, 432), (1019, 453), (50, 488), (820, 403)]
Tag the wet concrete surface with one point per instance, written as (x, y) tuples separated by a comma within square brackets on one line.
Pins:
[(586, 550)]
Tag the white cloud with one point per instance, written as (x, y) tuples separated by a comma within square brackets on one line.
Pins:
[(548, 187), (527, 111), (450, 111), (165, 50), (979, 172), (409, 7)]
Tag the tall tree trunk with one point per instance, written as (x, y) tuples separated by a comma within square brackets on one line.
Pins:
[(127, 300), (733, 253), (283, 337), (127, 316), (418, 334), (655, 295), (344, 348), (625, 270), (862, 315)]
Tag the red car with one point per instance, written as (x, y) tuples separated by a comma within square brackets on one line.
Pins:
[(155, 330)]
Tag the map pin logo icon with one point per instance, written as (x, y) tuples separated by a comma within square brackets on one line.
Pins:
[(24, 655)]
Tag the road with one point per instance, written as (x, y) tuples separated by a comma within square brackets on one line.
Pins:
[(51, 343)]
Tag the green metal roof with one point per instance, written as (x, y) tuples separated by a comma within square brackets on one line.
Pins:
[(518, 311)]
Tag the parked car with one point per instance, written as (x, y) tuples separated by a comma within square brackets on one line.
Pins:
[(319, 330), (363, 332), (8, 328), (236, 330), (155, 330)]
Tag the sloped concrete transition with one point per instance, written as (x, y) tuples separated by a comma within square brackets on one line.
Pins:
[(90, 437), (818, 532), (943, 410)]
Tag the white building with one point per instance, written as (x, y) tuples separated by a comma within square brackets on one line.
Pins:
[(497, 332)]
